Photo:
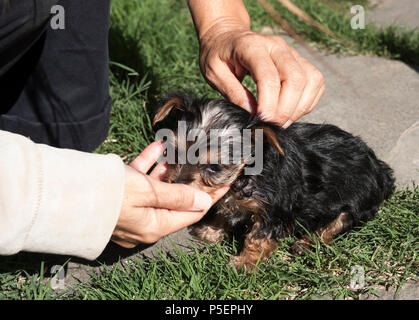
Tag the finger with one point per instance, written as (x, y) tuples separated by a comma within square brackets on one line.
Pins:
[(159, 171), (174, 196), (172, 221), (317, 99), (268, 82), (313, 105), (145, 160), (315, 82), (230, 87), (160, 222), (219, 193), (293, 83), (123, 243)]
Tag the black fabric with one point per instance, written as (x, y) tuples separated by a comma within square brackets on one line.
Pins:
[(21, 24), (57, 92)]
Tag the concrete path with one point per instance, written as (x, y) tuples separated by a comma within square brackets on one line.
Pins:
[(377, 99), (410, 291), (399, 12)]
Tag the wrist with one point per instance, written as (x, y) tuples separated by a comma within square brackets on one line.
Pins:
[(221, 26), (218, 14)]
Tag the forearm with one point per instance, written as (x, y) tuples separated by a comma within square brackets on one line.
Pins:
[(56, 200), (226, 14)]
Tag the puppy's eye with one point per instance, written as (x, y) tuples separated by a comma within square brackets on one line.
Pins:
[(214, 168)]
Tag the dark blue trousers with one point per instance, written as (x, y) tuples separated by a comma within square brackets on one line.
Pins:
[(54, 84)]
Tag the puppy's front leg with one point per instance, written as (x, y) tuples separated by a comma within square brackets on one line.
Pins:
[(255, 250), (212, 231)]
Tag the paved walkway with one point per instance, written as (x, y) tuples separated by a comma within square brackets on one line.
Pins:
[(399, 12), (377, 99)]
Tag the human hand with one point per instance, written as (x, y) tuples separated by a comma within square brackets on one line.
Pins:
[(153, 209), (288, 85)]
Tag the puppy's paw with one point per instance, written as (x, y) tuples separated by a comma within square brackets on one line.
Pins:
[(301, 247), (207, 233), (242, 264)]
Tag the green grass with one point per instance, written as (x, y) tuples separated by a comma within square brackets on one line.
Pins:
[(130, 127), (385, 247), (153, 50), (393, 42)]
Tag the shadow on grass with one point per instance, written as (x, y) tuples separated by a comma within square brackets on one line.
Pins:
[(31, 261), (126, 50)]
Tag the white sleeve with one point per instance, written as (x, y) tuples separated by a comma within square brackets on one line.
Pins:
[(57, 200)]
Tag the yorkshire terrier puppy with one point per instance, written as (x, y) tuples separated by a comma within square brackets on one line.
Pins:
[(314, 178)]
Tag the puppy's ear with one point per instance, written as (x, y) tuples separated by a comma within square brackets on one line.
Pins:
[(163, 112), (269, 137)]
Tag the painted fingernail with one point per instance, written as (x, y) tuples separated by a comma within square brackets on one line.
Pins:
[(287, 124), (202, 201)]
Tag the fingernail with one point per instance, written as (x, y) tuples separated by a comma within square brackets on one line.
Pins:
[(246, 105), (202, 201), (163, 145), (287, 124)]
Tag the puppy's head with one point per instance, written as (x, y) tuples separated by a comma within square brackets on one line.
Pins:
[(210, 142)]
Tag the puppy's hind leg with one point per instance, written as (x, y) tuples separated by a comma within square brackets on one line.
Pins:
[(326, 234), (254, 250)]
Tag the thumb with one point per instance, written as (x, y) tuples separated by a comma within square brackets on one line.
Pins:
[(176, 220), (179, 197)]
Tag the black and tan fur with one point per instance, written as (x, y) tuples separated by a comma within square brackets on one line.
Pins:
[(315, 178)]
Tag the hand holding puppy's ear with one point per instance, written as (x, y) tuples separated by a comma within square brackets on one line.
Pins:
[(288, 86)]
